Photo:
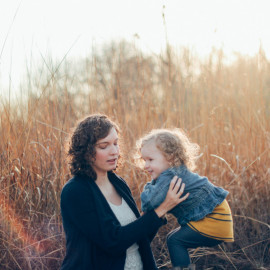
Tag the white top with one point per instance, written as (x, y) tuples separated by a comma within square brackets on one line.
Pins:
[(125, 216)]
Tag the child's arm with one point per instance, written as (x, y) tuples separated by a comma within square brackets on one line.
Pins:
[(155, 192)]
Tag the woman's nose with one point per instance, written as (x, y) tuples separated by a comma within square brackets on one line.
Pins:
[(115, 149)]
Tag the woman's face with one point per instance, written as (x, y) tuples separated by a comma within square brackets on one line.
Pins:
[(107, 153)]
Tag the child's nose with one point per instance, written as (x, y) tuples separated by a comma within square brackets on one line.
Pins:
[(146, 164)]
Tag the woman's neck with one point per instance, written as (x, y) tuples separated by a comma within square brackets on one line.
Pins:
[(102, 179), (108, 189)]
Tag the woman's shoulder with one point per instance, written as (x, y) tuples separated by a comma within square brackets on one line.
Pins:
[(73, 181), (77, 193), (75, 185), (69, 184)]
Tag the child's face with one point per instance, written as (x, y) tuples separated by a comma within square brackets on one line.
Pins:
[(155, 162)]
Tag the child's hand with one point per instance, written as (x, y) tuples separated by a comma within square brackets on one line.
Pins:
[(173, 196)]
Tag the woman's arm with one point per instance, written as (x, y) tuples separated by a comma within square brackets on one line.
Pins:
[(91, 220), (82, 215)]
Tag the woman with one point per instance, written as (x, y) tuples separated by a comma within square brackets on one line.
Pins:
[(103, 227)]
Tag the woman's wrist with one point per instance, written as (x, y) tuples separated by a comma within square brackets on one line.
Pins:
[(161, 210)]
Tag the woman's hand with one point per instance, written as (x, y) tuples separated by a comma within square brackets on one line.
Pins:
[(173, 197)]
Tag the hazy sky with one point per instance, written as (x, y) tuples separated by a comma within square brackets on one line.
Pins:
[(32, 29)]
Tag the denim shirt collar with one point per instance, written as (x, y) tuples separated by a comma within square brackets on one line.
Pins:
[(178, 170)]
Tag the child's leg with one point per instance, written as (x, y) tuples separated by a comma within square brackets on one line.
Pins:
[(182, 238)]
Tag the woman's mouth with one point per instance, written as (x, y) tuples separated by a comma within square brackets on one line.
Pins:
[(112, 161)]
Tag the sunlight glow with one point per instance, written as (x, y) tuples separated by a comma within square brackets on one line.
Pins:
[(9, 218), (42, 29)]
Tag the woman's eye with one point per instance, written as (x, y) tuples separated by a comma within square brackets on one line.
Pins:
[(102, 146)]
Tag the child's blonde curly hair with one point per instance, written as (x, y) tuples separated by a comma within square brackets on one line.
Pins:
[(174, 145)]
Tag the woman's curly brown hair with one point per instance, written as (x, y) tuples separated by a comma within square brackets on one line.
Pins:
[(81, 144), (174, 145)]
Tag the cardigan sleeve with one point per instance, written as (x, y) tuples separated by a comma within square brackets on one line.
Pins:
[(95, 222)]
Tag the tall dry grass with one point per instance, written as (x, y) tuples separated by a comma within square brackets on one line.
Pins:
[(224, 108)]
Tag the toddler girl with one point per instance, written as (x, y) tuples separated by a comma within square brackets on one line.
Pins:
[(205, 216)]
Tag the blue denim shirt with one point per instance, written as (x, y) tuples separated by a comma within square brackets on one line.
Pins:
[(202, 200)]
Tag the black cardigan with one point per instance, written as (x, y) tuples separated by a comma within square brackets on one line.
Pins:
[(95, 240)]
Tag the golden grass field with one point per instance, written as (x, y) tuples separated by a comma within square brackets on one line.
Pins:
[(223, 107)]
